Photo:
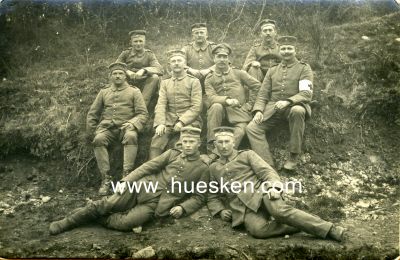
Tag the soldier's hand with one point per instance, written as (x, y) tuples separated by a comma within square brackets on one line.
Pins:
[(127, 126), (232, 102), (160, 130), (281, 104), (130, 74), (176, 212), (178, 126), (140, 72), (256, 64), (258, 117), (226, 215), (274, 194)]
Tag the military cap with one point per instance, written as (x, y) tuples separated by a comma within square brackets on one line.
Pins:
[(222, 48), (287, 40), (197, 26), (118, 66), (267, 22), (137, 33), (190, 131), (172, 53), (223, 130)]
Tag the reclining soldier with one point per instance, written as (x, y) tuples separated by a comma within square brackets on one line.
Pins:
[(127, 210)]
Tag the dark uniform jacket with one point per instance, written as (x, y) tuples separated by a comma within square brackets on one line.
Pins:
[(184, 169), (136, 61), (242, 166), (179, 100), (282, 83), (199, 58), (267, 56), (231, 84), (114, 107)]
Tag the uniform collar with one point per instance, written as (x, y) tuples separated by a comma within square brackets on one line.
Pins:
[(124, 86), (223, 73), (203, 48), (179, 78), (291, 64), (192, 157), (272, 45), (229, 159), (135, 53)]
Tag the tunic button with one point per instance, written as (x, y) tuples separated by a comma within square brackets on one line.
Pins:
[(282, 90)]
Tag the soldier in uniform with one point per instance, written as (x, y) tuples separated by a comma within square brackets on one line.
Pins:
[(253, 207), (199, 55), (179, 105), (284, 95), (225, 89), (126, 210), (143, 67), (264, 55), (118, 113)]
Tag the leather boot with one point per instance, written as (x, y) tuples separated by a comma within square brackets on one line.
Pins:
[(154, 152), (103, 163), (130, 152), (291, 163), (337, 233), (79, 216)]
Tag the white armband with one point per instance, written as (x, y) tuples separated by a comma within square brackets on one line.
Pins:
[(305, 85)]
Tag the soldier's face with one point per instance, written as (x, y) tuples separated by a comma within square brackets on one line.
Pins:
[(118, 77), (177, 63), (200, 35), (221, 60), (138, 43), (268, 32), (190, 145), (224, 145), (288, 52)]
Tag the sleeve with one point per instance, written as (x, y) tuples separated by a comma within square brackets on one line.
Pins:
[(305, 95), (262, 169), (211, 94), (154, 66), (252, 84), (214, 202), (153, 166), (197, 200), (94, 114), (160, 110), (122, 56), (141, 115), (264, 93), (195, 104), (251, 56)]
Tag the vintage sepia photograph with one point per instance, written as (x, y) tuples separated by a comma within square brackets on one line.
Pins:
[(195, 129)]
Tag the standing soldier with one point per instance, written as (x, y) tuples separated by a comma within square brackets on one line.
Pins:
[(118, 113), (179, 104), (264, 55), (158, 191), (285, 95), (225, 90), (254, 191), (143, 67)]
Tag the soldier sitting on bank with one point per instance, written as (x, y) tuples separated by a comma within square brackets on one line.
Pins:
[(225, 90), (252, 207), (143, 67), (132, 209), (178, 105), (118, 113)]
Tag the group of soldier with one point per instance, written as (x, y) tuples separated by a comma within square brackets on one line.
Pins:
[(272, 86)]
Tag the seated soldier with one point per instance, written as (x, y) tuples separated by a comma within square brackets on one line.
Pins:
[(225, 89), (285, 95), (264, 55), (132, 209), (179, 105), (143, 67), (251, 206), (118, 113)]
